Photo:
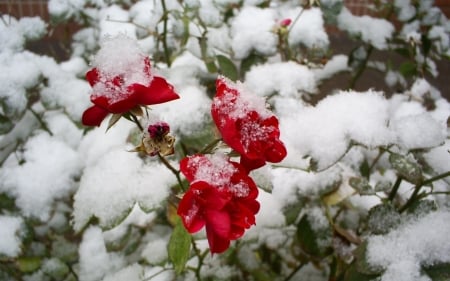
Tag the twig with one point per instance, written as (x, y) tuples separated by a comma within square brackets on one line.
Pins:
[(172, 169)]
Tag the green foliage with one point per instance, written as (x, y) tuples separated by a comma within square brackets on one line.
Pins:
[(179, 246), (314, 237), (406, 168)]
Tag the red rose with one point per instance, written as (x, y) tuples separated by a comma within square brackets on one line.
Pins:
[(123, 81), (221, 197), (246, 125)]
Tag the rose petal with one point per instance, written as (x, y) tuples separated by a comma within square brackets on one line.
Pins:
[(159, 91), (93, 76), (93, 116), (190, 212)]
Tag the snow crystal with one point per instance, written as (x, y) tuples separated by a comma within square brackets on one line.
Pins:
[(209, 13), (144, 13), (214, 169), (418, 131), (114, 21), (269, 221), (95, 262), (420, 88), (14, 33), (255, 34), (119, 179), (405, 9), (68, 92), (133, 272), (188, 114), (289, 183), (32, 28), (438, 158), (324, 132), (155, 252), (439, 35), (63, 128), (309, 28), (65, 8), (402, 252), (372, 30), (10, 228), (337, 63), (48, 173), (286, 78)]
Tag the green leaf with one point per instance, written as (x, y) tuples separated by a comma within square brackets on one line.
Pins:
[(364, 169), (5, 125), (408, 69), (406, 168), (422, 207), (361, 185), (438, 272), (403, 51), (382, 219), (248, 62), (314, 236), (382, 186), (28, 264), (352, 274), (227, 67), (179, 246), (426, 44)]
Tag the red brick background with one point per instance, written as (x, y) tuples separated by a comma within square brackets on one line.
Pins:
[(21, 8)]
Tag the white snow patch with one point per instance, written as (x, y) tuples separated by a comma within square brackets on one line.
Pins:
[(286, 78), (10, 232), (402, 252), (47, 174)]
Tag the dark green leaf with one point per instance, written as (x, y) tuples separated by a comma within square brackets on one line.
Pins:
[(352, 274), (438, 272), (5, 125), (248, 62), (361, 185), (28, 264), (426, 44), (408, 69), (422, 207), (383, 218), (227, 67), (364, 169), (382, 186), (403, 51), (314, 236), (406, 168), (179, 247)]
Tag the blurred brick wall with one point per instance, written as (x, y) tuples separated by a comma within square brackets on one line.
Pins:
[(24, 8), (21, 8)]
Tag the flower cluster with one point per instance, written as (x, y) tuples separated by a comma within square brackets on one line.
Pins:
[(222, 196)]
